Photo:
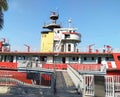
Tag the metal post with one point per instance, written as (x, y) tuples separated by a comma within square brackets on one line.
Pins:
[(53, 83), (39, 80), (6, 77), (54, 63)]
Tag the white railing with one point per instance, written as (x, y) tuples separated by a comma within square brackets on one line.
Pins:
[(76, 78), (86, 83), (90, 68), (89, 85), (96, 50), (112, 86), (109, 86), (117, 83)]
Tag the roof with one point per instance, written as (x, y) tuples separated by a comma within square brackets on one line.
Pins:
[(53, 53)]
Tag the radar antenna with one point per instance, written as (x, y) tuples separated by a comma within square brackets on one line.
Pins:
[(70, 22)]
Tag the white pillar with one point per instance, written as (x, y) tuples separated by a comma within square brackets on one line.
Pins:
[(14, 59), (67, 59), (79, 59)]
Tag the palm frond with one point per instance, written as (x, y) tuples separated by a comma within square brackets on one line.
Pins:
[(3, 5), (1, 20)]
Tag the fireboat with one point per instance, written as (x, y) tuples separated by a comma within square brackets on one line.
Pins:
[(60, 67)]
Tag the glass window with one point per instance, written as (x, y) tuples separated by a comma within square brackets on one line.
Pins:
[(69, 47), (77, 58), (107, 58), (67, 36), (93, 58), (73, 58), (85, 58), (1, 58)]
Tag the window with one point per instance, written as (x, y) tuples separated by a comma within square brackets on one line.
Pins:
[(67, 36), (93, 58), (69, 47), (10, 58), (21, 58), (85, 58), (58, 31), (1, 58), (73, 58), (107, 58), (77, 58)]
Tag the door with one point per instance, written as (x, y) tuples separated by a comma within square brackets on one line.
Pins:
[(99, 60), (63, 59)]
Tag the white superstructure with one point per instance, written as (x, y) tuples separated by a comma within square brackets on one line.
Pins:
[(66, 39)]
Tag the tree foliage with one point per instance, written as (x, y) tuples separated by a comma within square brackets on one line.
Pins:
[(3, 7)]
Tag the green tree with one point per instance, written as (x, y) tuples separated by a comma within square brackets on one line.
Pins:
[(3, 7)]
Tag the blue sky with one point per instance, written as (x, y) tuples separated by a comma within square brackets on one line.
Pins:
[(97, 20)]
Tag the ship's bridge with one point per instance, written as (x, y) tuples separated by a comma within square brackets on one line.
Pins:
[(71, 35), (66, 39), (67, 34)]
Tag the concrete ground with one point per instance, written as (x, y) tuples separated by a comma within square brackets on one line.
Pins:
[(64, 88)]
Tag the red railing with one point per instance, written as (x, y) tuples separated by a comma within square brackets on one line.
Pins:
[(8, 65), (21, 76), (89, 67), (46, 79), (55, 66)]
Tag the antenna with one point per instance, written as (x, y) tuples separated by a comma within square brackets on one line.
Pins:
[(90, 47), (70, 22), (28, 47)]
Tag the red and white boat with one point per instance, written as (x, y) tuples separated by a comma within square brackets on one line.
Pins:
[(59, 49)]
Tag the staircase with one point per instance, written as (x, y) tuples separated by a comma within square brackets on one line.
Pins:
[(64, 85)]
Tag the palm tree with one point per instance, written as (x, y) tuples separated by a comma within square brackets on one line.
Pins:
[(3, 7)]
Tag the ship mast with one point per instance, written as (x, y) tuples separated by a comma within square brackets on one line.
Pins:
[(70, 22), (54, 17)]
